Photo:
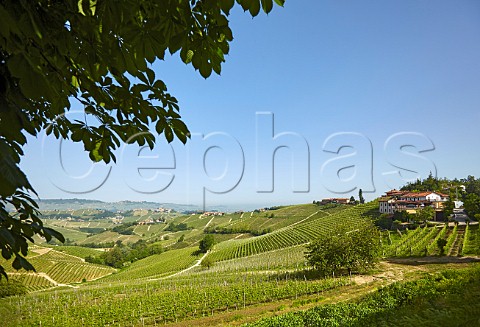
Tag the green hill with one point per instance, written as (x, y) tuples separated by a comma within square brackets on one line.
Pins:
[(251, 277), (302, 231)]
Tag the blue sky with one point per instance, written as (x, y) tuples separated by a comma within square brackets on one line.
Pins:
[(389, 85)]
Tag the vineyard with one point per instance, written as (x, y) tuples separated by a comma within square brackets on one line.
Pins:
[(422, 241), (33, 282), (471, 243), (156, 266), (78, 251), (319, 223), (448, 298), (273, 219), (155, 302), (59, 268), (291, 258), (74, 235), (110, 236), (246, 271)]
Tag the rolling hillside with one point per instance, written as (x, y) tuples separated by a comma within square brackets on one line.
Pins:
[(249, 273), (306, 228)]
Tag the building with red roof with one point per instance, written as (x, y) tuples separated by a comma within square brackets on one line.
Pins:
[(394, 201)]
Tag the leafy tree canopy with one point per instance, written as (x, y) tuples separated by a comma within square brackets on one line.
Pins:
[(472, 185), (347, 248), (402, 216), (361, 199), (434, 184), (97, 53), (472, 204), (206, 243), (424, 214)]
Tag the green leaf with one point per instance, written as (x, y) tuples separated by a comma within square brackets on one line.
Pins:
[(21, 262), (34, 25), (32, 84), (168, 134), (280, 2), (151, 76), (6, 235), (181, 136), (11, 177), (186, 55), (176, 43), (205, 69), (254, 7), (160, 126), (245, 4), (7, 23), (148, 50), (226, 6), (77, 135), (142, 77), (75, 82), (267, 5), (54, 233), (180, 130), (3, 273), (197, 60), (138, 88), (80, 7), (95, 154)]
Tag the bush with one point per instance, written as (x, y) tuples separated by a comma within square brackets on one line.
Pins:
[(206, 243), (11, 287), (207, 263), (348, 248), (441, 242)]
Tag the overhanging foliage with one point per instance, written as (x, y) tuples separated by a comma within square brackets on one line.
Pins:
[(98, 53)]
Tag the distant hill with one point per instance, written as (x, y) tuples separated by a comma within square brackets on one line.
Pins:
[(75, 204)]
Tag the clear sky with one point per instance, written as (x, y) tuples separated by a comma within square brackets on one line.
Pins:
[(359, 91)]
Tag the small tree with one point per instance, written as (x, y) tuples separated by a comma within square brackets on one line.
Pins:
[(448, 207), (360, 196), (441, 242), (352, 199), (424, 214), (207, 263), (206, 243), (385, 221), (402, 216), (348, 248), (471, 203)]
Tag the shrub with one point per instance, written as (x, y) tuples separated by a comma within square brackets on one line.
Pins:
[(11, 287)]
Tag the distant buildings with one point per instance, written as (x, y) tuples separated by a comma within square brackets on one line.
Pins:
[(335, 200), (395, 200), (151, 221), (164, 210), (213, 213)]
